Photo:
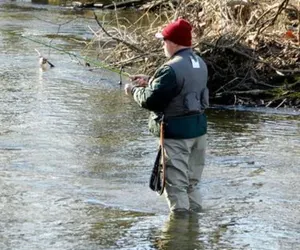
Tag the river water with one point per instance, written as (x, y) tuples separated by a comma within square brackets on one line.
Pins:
[(76, 156)]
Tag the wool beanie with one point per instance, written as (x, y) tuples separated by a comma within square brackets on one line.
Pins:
[(179, 32)]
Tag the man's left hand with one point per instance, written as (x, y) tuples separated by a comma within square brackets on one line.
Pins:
[(128, 87)]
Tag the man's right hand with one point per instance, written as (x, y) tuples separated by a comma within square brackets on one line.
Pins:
[(139, 80)]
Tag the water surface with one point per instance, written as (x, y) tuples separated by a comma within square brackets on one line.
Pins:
[(76, 156)]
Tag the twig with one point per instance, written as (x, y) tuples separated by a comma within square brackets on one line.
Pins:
[(298, 15), (269, 103), (222, 87), (129, 45), (278, 71), (38, 52), (281, 7), (247, 92), (281, 103), (255, 24)]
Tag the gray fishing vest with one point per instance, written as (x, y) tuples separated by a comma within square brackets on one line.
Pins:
[(191, 77)]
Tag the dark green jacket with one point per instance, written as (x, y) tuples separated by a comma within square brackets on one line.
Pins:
[(166, 95)]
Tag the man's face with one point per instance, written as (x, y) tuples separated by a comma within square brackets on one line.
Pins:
[(168, 48)]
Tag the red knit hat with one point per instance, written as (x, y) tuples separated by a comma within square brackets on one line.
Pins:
[(179, 32)]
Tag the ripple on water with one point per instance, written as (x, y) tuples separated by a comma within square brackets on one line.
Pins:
[(76, 156)]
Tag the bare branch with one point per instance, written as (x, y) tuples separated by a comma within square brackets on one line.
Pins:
[(129, 45)]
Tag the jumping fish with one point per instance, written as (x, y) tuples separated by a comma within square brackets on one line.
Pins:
[(44, 62)]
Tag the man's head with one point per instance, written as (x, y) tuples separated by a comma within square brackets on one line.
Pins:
[(176, 35)]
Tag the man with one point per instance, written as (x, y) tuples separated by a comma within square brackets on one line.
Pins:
[(178, 93)]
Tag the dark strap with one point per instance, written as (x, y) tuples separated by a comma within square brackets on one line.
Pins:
[(155, 181)]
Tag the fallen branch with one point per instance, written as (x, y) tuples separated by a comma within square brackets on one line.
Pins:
[(248, 51), (246, 92), (284, 100), (125, 4), (281, 7), (278, 71)]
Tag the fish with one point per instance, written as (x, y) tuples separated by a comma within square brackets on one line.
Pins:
[(44, 62)]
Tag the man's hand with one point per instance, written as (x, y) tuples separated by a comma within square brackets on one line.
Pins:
[(139, 80), (128, 87)]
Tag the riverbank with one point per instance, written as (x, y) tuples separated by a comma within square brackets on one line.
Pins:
[(251, 49)]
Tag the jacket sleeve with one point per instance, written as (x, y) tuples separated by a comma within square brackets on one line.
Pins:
[(160, 91)]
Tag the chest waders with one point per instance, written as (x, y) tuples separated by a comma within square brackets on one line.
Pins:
[(158, 175)]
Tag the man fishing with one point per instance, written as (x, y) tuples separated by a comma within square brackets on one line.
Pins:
[(178, 94)]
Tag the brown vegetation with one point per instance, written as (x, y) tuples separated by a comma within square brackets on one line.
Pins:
[(252, 47)]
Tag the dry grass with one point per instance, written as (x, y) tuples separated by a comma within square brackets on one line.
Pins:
[(248, 45)]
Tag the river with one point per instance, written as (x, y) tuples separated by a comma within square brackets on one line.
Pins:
[(76, 156)]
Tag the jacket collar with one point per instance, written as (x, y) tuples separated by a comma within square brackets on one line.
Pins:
[(181, 51)]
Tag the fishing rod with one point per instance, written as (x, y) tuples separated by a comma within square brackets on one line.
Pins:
[(86, 59)]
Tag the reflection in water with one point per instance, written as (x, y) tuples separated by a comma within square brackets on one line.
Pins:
[(180, 232)]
